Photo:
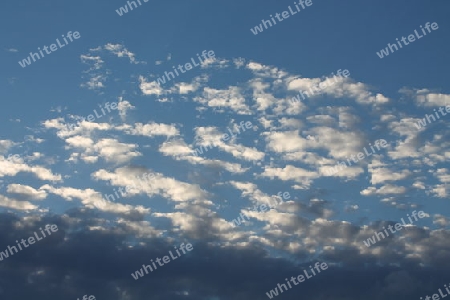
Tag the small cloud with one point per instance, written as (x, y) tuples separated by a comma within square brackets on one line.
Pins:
[(239, 62), (96, 49), (58, 109), (123, 107), (12, 50), (121, 51), (351, 208)]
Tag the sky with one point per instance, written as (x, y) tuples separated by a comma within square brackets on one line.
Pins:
[(261, 204)]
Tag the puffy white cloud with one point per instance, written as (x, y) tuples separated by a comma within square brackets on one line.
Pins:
[(425, 97), (12, 168), (151, 129), (93, 200), (231, 97), (17, 205), (26, 191), (384, 190)]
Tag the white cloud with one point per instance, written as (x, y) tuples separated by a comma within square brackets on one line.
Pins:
[(441, 220), (427, 98), (26, 191), (384, 190), (95, 61), (151, 129), (213, 62), (123, 106), (93, 200), (169, 188), (380, 175), (289, 172), (5, 145), (150, 88), (121, 51), (12, 168), (15, 204), (230, 97)]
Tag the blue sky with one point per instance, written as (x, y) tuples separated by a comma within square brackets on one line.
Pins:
[(61, 176)]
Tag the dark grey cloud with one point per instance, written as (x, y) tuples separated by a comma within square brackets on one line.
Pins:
[(77, 260)]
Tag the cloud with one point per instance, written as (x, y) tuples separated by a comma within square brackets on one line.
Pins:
[(123, 107), (12, 168), (121, 51), (5, 145), (169, 188), (151, 129), (214, 62), (384, 190), (230, 97), (425, 97), (16, 205), (26, 192), (150, 88), (94, 200)]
